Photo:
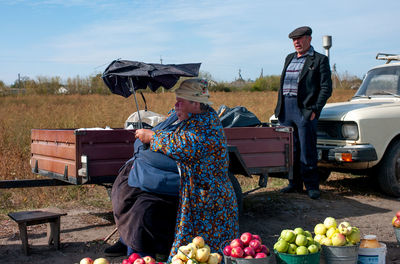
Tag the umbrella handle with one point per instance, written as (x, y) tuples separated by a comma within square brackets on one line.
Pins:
[(137, 105)]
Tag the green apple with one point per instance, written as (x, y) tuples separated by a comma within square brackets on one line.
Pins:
[(310, 241), (289, 236), (313, 248), (326, 241), (330, 222), (318, 237), (292, 249), (281, 246), (338, 240), (302, 250), (344, 228), (299, 231), (354, 236), (320, 229), (307, 233), (331, 231), (301, 240)]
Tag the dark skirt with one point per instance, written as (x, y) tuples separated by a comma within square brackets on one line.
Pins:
[(145, 221)]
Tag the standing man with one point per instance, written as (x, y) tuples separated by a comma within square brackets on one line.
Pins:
[(305, 87)]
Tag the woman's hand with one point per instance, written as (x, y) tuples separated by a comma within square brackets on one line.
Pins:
[(144, 135)]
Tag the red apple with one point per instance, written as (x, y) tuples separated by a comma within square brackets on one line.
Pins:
[(126, 261), (255, 244), (396, 223), (260, 255), (139, 261), (398, 214), (237, 252), (86, 261), (134, 256), (264, 249), (227, 250), (257, 237), (246, 238), (249, 251), (248, 257), (237, 243)]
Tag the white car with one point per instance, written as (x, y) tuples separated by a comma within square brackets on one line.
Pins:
[(363, 134)]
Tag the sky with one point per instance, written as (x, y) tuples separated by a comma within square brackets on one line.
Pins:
[(70, 38)]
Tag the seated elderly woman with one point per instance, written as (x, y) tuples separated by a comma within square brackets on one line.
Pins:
[(207, 203)]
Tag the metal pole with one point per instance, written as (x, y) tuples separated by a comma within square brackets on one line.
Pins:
[(132, 88)]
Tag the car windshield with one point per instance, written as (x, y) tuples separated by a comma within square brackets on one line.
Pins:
[(381, 81)]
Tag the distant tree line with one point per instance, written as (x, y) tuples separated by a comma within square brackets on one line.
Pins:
[(95, 85)]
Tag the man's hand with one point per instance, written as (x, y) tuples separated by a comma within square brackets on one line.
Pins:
[(312, 116), (145, 135)]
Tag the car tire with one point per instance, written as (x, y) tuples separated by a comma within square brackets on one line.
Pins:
[(238, 191), (389, 170)]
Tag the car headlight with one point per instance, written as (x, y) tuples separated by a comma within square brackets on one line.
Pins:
[(350, 131)]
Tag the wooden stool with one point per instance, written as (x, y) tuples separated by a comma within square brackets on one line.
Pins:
[(28, 218)]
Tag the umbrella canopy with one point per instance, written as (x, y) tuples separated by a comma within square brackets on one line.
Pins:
[(124, 77)]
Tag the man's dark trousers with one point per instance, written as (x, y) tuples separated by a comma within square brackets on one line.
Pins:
[(305, 144)]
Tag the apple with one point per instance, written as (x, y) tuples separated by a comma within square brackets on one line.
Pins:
[(193, 246), (199, 241), (344, 228), (338, 240), (312, 249), (149, 260), (126, 261), (398, 214), (255, 244), (289, 236), (396, 223), (326, 241), (281, 246), (134, 256), (248, 257), (257, 237), (264, 249), (307, 233), (227, 250), (318, 237), (203, 253), (246, 238), (320, 229), (331, 231), (237, 252), (212, 259), (249, 251), (394, 219), (177, 261), (354, 237), (292, 249), (237, 243), (310, 241), (330, 222), (260, 255), (301, 240), (219, 257), (302, 250), (101, 261), (139, 261), (86, 261), (299, 230)]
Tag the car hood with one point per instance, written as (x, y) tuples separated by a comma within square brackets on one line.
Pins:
[(338, 111)]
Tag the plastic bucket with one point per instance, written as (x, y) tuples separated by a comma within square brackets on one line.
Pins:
[(340, 255), (283, 258), (397, 233), (372, 255), (267, 260)]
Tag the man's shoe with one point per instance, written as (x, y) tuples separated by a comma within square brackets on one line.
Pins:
[(291, 189), (314, 194), (116, 250)]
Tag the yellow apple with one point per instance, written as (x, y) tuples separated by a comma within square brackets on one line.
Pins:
[(202, 254), (212, 259), (199, 241), (101, 261)]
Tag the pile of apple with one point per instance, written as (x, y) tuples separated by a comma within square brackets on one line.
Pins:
[(329, 233), (196, 252), (396, 220), (297, 242), (248, 246), (135, 258)]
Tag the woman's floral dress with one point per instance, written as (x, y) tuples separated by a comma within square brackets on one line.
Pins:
[(207, 204)]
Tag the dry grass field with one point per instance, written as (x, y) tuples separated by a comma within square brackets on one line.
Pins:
[(18, 115)]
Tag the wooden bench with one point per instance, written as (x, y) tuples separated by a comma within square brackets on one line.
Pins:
[(28, 218)]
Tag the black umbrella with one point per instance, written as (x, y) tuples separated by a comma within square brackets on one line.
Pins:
[(124, 77)]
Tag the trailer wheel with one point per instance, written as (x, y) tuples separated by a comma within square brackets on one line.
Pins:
[(389, 170), (238, 191)]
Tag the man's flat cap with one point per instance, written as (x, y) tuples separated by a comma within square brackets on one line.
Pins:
[(301, 31)]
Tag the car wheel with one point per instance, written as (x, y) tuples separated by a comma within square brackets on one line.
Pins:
[(323, 174), (238, 191), (389, 170)]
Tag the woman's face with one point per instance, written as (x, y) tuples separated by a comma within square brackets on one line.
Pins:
[(183, 107)]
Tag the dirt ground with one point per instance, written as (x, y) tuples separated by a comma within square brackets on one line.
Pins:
[(266, 212)]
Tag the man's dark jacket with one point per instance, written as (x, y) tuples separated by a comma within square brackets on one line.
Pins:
[(315, 85)]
